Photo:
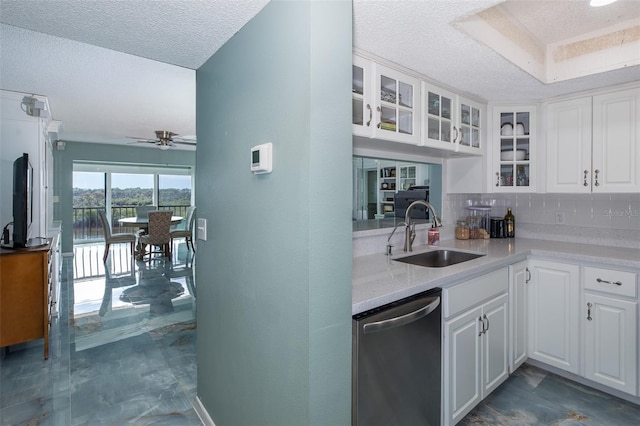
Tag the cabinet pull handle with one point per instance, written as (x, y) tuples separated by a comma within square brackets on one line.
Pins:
[(589, 305), (486, 319), (528, 276), (380, 121), (482, 330), (586, 172), (609, 282), (596, 171), (498, 178), (456, 136), (370, 115)]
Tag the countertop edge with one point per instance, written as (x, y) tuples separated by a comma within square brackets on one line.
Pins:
[(406, 280)]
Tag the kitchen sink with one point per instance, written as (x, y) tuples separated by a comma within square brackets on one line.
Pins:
[(439, 258)]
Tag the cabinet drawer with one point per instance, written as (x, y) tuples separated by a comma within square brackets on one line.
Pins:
[(472, 292), (610, 281)]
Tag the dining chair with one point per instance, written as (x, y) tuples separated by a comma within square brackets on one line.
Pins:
[(143, 211), (110, 238), (159, 233), (186, 233)]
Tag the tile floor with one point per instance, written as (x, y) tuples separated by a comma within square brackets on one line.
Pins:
[(531, 396), (122, 351)]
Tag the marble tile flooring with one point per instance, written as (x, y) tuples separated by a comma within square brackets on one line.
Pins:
[(531, 396), (122, 350)]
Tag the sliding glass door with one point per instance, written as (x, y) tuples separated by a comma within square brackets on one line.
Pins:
[(120, 189)]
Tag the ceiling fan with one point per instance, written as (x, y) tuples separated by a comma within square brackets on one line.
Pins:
[(166, 139)]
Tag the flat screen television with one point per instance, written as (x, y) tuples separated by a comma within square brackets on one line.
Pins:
[(22, 200)]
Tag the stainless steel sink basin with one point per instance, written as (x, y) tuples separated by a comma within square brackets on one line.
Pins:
[(438, 258)]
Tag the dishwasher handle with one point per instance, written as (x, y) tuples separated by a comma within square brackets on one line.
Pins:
[(374, 327)]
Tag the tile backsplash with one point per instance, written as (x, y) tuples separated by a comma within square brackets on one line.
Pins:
[(608, 219)]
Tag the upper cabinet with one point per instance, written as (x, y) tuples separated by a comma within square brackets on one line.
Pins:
[(385, 103), (514, 147), (593, 143), (438, 118), (451, 122), (362, 110), (470, 116), (396, 105)]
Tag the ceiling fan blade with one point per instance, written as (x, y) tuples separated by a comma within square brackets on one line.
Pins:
[(184, 142)]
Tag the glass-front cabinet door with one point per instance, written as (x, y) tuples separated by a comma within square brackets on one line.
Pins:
[(362, 110), (514, 138), (470, 116), (397, 106), (438, 119)]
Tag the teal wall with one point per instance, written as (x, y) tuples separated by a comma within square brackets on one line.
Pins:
[(274, 276), (79, 151)]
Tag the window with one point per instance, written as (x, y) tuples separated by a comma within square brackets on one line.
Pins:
[(120, 188)]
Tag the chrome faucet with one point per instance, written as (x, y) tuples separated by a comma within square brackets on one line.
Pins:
[(410, 228)]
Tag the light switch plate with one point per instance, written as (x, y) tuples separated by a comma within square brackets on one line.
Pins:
[(202, 229)]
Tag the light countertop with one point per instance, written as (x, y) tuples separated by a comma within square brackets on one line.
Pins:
[(378, 280)]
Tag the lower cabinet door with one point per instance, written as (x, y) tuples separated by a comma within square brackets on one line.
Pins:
[(518, 278), (462, 373), (553, 296), (610, 329), (495, 361)]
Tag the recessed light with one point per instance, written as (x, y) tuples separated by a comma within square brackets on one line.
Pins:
[(598, 3)]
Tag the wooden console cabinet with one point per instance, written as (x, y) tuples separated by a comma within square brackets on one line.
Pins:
[(25, 295)]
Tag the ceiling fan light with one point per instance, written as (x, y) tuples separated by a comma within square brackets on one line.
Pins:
[(598, 3)]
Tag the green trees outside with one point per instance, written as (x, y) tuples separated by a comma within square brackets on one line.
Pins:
[(129, 197), (87, 202)]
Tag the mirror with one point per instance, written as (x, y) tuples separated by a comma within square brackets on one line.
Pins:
[(376, 181)]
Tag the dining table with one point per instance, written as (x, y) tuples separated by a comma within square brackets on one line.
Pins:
[(142, 222)]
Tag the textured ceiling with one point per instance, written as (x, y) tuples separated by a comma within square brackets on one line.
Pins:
[(178, 32), (126, 68)]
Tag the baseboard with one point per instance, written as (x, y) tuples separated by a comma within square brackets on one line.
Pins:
[(579, 379), (205, 418)]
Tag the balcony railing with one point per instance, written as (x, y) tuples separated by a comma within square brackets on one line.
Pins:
[(87, 227)]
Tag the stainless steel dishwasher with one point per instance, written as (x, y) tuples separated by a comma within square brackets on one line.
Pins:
[(397, 362)]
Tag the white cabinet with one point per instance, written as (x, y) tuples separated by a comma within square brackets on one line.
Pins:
[(610, 328), (514, 149), (470, 118), (518, 279), (450, 122), (569, 146), (362, 100), (438, 118), (593, 143), (397, 106), (475, 342), (616, 142), (553, 296), (385, 102)]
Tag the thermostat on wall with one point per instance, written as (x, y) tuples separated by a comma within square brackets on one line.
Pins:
[(261, 158)]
